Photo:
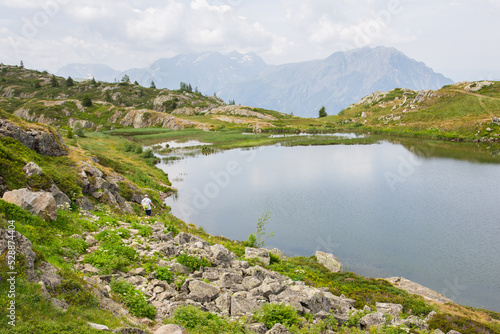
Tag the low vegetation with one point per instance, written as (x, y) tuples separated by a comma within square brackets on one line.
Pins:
[(456, 113)]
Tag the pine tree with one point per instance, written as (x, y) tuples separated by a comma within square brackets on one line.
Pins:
[(86, 101), (21, 64), (70, 82), (53, 81), (93, 82), (322, 112), (152, 85)]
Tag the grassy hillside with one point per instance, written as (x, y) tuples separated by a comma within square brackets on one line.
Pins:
[(463, 111)]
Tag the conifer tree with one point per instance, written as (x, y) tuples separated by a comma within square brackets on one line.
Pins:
[(70, 82)]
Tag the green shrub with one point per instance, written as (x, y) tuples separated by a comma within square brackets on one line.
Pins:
[(112, 254), (164, 274), (133, 299), (272, 314), (251, 241), (192, 262), (448, 322), (199, 322), (173, 229)]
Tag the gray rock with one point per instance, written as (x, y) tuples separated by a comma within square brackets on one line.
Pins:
[(242, 303), (229, 280), (278, 329), (278, 253), (60, 304), (258, 328), (180, 268), (49, 275), (182, 238), (32, 168), (39, 140), (84, 204), (223, 303), (90, 269), (389, 308), (220, 253), (90, 240), (259, 254), (250, 282), (372, 319), (202, 292), (24, 247), (40, 203), (171, 329), (329, 261), (60, 197)]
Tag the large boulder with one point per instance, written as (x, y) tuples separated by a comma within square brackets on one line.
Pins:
[(202, 292), (331, 262), (260, 254), (40, 203), (39, 140)]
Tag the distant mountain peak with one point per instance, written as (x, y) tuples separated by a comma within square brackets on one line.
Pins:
[(299, 88)]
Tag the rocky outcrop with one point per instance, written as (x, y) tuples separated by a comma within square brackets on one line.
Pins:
[(37, 139), (102, 187), (239, 111), (84, 124), (40, 203), (330, 261), (147, 118), (418, 289)]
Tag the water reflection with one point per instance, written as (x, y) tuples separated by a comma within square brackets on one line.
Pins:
[(408, 209)]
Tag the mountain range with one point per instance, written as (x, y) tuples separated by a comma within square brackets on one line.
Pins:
[(299, 88)]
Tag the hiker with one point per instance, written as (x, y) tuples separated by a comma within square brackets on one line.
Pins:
[(146, 204)]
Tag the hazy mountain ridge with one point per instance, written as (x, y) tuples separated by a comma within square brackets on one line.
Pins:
[(298, 88)]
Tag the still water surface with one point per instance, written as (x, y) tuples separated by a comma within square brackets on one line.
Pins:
[(384, 209)]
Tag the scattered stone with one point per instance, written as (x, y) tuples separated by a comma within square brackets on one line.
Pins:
[(259, 254), (32, 168), (372, 319), (258, 328), (331, 262), (392, 309), (98, 327)]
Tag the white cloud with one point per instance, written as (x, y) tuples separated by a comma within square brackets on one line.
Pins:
[(460, 33)]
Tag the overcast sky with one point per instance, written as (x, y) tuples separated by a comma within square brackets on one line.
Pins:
[(458, 38)]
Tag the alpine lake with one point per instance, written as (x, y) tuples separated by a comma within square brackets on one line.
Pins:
[(428, 211)]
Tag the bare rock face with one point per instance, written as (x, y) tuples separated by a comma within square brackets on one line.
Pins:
[(40, 203), (331, 262), (43, 142), (418, 289)]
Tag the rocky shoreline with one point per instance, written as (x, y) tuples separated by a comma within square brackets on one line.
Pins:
[(231, 287)]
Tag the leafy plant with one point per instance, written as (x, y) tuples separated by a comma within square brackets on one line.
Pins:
[(133, 299), (192, 262), (258, 239), (164, 274), (199, 322), (271, 314)]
